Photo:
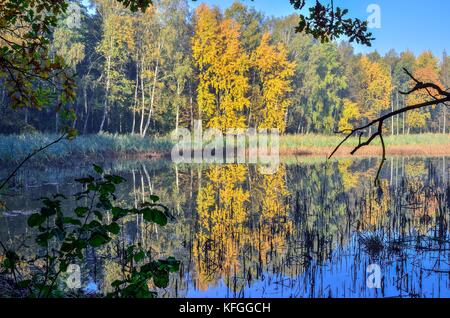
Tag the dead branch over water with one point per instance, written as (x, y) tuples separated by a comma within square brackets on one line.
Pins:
[(438, 95)]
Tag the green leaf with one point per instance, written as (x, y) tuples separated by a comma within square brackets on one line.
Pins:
[(81, 211), (154, 215), (161, 279), (139, 256), (99, 215), (63, 266), (154, 198), (98, 169), (97, 240), (108, 188), (43, 238), (118, 213), (24, 283), (114, 179), (80, 244), (7, 264), (85, 180), (104, 202), (113, 228), (66, 247), (171, 264), (94, 225), (36, 219), (48, 211), (92, 187), (144, 293), (116, 283), (160, 218), (72, 221)]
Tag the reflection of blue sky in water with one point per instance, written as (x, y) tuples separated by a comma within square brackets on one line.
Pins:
[(91, 287), (344, 276), (341, 273)]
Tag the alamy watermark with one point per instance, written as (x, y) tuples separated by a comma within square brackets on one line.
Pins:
[(374, 276), (73, 281), (235, 145), (73, 19), (374, 19)]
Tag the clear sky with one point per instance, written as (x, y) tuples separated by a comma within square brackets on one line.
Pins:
[(416, 25)]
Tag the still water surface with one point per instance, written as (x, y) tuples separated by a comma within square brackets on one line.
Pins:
[(309, 230)]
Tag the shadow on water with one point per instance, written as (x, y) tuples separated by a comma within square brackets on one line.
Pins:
[(310, 230)]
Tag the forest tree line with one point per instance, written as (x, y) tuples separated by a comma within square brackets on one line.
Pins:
[(151, 72)]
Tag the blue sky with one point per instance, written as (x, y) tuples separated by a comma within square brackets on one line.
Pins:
[(416, 25)]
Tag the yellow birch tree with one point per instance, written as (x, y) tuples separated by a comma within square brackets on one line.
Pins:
[(222, 65), (275, 72), (374, 89)]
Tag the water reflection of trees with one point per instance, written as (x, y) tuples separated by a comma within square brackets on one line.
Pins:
[(252, 225), (235, 226), (242, 224)]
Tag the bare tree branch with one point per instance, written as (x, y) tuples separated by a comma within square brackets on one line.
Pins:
[(442, 97), (31, 155)]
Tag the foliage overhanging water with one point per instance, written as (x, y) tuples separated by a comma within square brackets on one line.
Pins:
[(310, 230)]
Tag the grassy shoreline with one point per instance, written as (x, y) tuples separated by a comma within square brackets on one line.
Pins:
[(407, 145), (14, 148)]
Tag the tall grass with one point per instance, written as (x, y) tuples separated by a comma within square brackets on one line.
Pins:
[(313, 140), (14, 148)]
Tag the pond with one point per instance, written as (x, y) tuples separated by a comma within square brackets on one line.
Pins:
[(312, 229)]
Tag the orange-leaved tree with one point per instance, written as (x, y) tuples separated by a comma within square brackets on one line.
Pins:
[(426, 70)]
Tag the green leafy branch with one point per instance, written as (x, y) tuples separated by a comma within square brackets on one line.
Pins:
[(65, 239)]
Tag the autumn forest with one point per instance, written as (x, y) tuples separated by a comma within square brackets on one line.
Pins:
[(150, 72), (98, 198)]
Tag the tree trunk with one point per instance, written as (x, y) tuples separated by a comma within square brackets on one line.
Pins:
[(191, 104), (392, 119), (86, 109), (177, 114), (177, 118), (108, 80), (444, 129), (141, 126), (56, 122), (398, 123), (403, 115), (120, 122), (133, 127), (152, 99)]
